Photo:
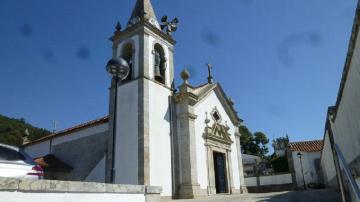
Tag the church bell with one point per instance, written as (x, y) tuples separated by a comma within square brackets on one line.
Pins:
[(158, 76)]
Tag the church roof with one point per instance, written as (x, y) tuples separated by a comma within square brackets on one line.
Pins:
[(307, 146), (143, 9), (203, 90), (71, 130)]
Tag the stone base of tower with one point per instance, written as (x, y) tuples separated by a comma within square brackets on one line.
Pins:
[(190, 191)]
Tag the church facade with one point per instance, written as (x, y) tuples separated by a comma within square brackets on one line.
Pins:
[(184, 140)]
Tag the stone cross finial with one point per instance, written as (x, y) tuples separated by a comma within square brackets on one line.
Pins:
[(118, 27), (210, 78)]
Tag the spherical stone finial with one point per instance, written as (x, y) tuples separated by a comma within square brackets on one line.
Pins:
[(185, 75)]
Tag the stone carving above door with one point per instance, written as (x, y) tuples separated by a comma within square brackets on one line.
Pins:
[(218, 133)]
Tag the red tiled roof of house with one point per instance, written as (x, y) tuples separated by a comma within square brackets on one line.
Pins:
[(71, 130), (307, 146)]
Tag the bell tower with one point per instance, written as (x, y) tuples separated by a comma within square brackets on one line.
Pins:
[(147, 48), (139, 151)]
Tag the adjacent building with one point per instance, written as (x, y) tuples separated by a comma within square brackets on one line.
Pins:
[(304, 163)]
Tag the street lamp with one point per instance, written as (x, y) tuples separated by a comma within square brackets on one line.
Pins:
[(119, 69), (302, 170)]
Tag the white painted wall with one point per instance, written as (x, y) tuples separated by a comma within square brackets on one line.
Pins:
[(39, 149), (207, 105), (61, 197), (126, 152), (308, 167), (346, 128), (250, 181), (160, 142), (276, 179), (347, 123), (269, 180), (98, 173), (327, 163)]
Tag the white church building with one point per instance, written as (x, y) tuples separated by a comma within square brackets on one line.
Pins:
[(185, 140)]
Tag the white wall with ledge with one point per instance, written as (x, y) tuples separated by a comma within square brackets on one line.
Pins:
[(276, 179), (280, 179), (251, 181), (14, 190), (61, 197)]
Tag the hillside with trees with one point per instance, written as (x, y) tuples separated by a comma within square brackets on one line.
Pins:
[(15, 131)]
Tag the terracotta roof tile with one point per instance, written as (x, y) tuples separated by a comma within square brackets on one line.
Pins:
[(307, 146)]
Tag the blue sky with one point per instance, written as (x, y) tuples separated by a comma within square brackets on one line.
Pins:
[(280, 60)]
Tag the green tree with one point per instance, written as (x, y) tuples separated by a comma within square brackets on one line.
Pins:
[(13, 131), (253, 144), (261, 140), (281, 142), (279, 164)]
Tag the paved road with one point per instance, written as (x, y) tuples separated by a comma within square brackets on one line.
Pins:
[(296, 196)]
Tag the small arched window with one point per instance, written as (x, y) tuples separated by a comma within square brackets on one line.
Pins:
[(159, 63), (127, 54)]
